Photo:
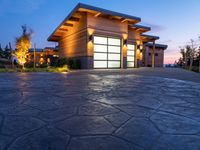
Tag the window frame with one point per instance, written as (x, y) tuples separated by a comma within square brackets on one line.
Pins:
[(107, 53), (132, 50)]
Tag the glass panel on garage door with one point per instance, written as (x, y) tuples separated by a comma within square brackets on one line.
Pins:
[(131, 56), (107, 52)]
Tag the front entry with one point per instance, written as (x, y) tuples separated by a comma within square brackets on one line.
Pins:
[(107, 52)]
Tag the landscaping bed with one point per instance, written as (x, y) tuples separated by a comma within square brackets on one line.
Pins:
[(48, 69)]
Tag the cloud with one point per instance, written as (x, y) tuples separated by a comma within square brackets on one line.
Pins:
[(154, 27), (19, 6), (166, 41)]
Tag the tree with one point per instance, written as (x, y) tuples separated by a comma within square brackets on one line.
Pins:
[(188, 55), (183, 60), (1, 51), (7, 51), (192, 52), (23, 44), (198, 57)]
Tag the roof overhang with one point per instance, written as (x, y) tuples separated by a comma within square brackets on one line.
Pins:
[(141, 28), (162, 46), (63, 27), (149, 38)]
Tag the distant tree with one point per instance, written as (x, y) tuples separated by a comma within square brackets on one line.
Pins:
[(198, 57), (190, 56), (7, 52), (192, 52), (1, 51), (183, 60), (187, 56), (23, 44)]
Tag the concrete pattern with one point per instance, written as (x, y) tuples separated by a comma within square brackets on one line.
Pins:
[(100, 110)]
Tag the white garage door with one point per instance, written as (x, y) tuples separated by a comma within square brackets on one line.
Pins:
[(107, 52), (131, 56)]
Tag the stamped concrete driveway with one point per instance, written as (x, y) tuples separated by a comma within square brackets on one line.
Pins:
[(99, 110)]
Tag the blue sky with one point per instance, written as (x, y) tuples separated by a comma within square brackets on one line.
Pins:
[(175, 21)]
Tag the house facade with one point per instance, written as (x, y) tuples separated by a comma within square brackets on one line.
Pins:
[(100, 38), (159, 55), (45, 56)]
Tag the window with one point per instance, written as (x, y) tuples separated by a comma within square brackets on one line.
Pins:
[(100, 40), (149, 54), (100, 64), (100, 48), (156, 54), (100, 56), (113, 56), (107, 52), (112, 41), (113, 49), (113, 64)]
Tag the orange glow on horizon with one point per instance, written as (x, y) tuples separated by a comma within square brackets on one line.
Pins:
[(171, 58)]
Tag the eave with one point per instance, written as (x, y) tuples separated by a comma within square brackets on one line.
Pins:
[(55, 36), (141, 28), (162, 46), (149, 38)]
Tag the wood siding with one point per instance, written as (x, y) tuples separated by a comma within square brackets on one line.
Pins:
[(107, 25), (74, 42), (159, 58), (133, 34)]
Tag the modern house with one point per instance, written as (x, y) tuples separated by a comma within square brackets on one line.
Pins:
[(48, 55), (101, 38)]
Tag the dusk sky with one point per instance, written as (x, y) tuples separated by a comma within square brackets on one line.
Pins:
[(174, 21)]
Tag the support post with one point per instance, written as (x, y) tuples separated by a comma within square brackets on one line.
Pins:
[(135, 51), (34, 56), (153, 55)]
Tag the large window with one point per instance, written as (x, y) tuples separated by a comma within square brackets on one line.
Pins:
[(107, 52), (131, 56)]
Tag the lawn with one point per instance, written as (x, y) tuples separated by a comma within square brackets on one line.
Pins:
[(48, 69)]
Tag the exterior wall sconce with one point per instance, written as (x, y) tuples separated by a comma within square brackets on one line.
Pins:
[(90, 38), (125, 42), (140, 47)]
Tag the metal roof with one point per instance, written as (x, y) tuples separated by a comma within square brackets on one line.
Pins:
[(141, 26), (109, 12), (150, 36), (163, 46), (101, 10)]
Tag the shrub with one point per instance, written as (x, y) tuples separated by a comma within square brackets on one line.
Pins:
[(2, 65), (43, 66), (74, 63), (61, 62)]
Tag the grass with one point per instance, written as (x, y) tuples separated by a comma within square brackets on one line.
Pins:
[(48, 69), (2, 70)]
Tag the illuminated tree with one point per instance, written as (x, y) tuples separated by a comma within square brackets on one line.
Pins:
[(23, 44)]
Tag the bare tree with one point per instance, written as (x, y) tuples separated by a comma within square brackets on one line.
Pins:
[(183, 60), (192, 53)]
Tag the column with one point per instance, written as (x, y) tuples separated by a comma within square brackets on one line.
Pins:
[(153, 55)]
